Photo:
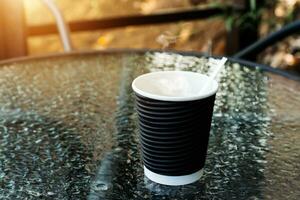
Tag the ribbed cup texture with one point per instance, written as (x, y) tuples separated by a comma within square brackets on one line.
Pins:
[(174, 135)]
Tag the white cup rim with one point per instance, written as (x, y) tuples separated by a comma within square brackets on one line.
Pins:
[(213, 89), (173, 180)]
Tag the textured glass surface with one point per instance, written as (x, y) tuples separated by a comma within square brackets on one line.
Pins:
[(68, 131)]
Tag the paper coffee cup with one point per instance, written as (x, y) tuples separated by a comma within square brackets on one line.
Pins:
[(174, 121)]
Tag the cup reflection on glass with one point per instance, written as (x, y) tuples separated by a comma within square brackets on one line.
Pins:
[(174, 117)]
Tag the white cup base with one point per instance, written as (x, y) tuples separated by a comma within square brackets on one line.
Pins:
[(173, 180)]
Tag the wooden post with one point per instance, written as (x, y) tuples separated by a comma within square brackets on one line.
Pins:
[(233, 35), (242, 36), (12, 29)]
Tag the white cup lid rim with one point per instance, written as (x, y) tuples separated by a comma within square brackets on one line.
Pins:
[(195, 96)]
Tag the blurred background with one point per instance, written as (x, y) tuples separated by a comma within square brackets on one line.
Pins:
[(211, 35)]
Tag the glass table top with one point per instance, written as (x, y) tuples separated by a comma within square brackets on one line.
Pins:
[(68, 130)]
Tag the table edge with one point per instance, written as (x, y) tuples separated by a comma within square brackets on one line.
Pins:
[(247, 63)]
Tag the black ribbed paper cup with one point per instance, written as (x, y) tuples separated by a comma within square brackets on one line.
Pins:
[(174, 115)]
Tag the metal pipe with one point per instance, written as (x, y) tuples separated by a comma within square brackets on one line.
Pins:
[(61, 25), (262, 44)]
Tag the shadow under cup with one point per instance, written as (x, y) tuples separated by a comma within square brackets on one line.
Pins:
[(174, 117)]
